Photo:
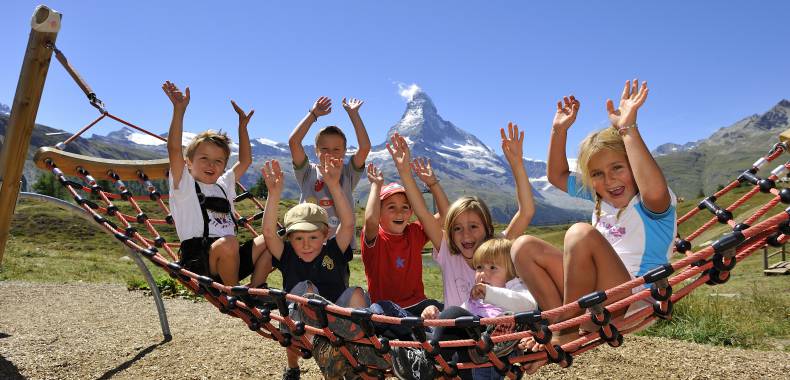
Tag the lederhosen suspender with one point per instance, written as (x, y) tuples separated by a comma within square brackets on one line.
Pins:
[(204, 211)]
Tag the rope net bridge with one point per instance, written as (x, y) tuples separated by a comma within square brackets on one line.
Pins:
[(666, 285)]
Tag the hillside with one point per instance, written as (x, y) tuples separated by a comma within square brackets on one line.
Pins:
[(706, 165)]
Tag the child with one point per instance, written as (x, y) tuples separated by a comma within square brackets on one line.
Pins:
[(633, 224), (201, 200), (329, 142), (468, 224), (310, 261), (497, 290), (391, 246)]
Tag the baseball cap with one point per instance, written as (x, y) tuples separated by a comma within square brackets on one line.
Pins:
[(390, 189), (305, 217)]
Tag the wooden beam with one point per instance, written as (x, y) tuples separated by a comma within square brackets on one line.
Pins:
[(69, 162), (45, 25)]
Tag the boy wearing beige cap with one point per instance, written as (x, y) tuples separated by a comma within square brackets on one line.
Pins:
[(309, 261)]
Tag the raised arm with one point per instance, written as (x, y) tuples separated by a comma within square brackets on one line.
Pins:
[(330, 169), (399, 150), (513, 147), (273, 177), (557, 167), (174, 151), (321, 107), (245, 151), (373, 208), (648, 176), (352, 107), (422, 167)]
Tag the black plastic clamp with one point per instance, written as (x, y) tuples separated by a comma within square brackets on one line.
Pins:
[(592, 299), (682, 245), (658, 273)]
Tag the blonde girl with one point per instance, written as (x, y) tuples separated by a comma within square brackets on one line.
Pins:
[(634, 220)]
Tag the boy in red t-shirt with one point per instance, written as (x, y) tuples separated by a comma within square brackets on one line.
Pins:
[(392, 246)]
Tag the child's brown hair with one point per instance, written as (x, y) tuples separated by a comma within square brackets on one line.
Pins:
[(328, 131), (463, 204), (496, 251), (219, 139)]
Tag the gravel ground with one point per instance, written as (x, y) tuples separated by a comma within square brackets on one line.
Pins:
[(90, 331)]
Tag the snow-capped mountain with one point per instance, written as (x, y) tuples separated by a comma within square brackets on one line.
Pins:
[(465, 165), (4, 109)]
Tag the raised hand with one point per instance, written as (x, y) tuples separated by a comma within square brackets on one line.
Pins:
[(321, 107), (478, 292), (273, 176), (330, 169), (422, 167), (512, 144), (244, 118), (374, 175), (566, 113), (399, 150), (180, 100), (352, 105), (632, 98)]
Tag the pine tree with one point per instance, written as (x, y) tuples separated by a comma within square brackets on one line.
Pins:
[(259, 189)]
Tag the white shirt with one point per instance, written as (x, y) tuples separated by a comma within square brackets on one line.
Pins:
[(185, 208)]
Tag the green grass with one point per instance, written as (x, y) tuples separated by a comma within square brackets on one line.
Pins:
[(50, 245), (750, 310)]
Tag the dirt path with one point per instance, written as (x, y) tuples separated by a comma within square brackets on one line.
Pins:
[(89, 331)]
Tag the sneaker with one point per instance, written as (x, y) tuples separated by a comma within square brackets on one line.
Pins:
[(330, 360), (411, 364), (342, 327), (367, 356), (291, 373)]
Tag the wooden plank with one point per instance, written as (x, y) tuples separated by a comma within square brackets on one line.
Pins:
[(127, 169), (780, 268), (45, 25)]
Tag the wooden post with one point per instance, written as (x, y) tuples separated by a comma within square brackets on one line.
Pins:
[(45, 25)]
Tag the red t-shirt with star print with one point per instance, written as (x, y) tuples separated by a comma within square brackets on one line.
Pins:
[(393, 265)]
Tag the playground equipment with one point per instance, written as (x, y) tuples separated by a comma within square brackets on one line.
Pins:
[(136, 228)]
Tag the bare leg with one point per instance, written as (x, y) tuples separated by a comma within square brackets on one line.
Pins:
[(224, 259), (539, 265), (262, 260), (293, 359), (590, 264)]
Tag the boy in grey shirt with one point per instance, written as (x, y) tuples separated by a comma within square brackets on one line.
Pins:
[(329, 142)]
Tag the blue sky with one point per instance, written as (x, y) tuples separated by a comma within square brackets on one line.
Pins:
[(708, 63)]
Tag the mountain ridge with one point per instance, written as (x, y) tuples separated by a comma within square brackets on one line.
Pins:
[(703, 166)]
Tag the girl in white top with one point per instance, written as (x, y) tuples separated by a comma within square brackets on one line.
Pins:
[(634, 220)]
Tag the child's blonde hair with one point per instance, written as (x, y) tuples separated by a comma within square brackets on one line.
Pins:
[(219, 139), (495, 251), (604, 139), (463, 204)]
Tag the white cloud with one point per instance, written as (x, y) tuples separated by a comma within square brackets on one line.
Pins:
[(408, 91)]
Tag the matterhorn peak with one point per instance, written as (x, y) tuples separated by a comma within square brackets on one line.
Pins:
[(417, 100), (421, 120)]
